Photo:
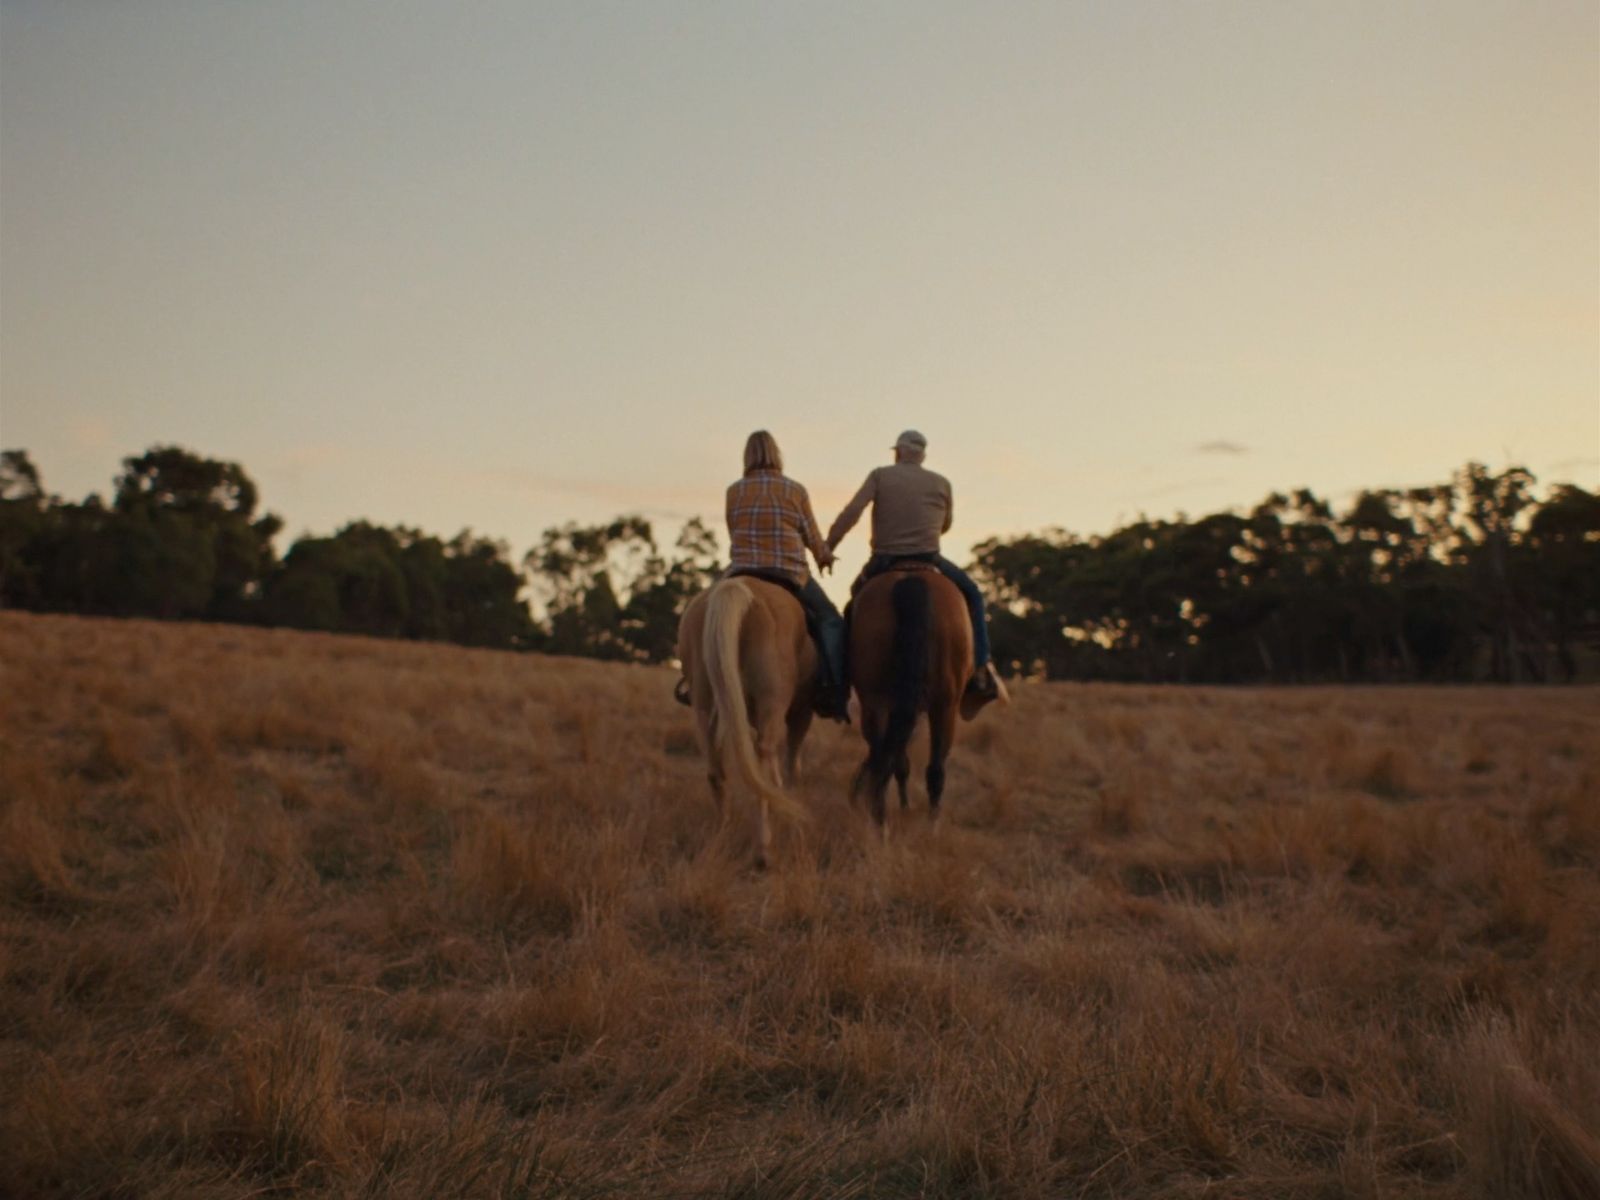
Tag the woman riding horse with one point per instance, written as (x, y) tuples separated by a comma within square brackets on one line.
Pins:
[(749, 662), (770, 528)]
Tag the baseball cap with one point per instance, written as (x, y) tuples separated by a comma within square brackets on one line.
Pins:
[(910, 440)]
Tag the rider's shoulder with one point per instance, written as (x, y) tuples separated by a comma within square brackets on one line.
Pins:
[(789, 489)]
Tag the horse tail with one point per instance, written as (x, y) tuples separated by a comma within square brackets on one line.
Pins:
[(913, 621), (726, 608)]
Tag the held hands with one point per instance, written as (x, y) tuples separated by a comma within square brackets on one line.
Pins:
[(825, 561)]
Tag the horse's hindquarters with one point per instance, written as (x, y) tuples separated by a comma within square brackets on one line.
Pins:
[(739, 647), (910, 654), (947, 650)]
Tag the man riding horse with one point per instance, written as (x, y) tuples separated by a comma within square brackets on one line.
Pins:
[(911, 509)]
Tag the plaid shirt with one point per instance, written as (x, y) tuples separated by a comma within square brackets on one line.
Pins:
[(770, 525)]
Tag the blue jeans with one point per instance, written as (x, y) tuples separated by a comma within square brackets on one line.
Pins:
[(829, 626), (879, 563)]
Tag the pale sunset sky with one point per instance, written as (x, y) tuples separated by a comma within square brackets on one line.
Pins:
[(502, 265)]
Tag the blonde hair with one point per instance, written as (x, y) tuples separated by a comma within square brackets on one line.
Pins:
[(761, 452)]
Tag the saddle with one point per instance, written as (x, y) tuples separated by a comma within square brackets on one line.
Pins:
[(897, 566), (787, 584)]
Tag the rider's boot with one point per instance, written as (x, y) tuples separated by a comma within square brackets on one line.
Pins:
[(831, 701)]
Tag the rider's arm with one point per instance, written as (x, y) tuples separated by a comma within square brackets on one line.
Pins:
[(949, 509), (820, 550), (847, 518)]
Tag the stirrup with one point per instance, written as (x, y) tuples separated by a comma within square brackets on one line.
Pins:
[(680, 691), (984, 683)]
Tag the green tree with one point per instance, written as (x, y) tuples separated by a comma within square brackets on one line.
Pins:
[(170, 492), (481, 592), (402, 583), (661, 590), (609, 593), (573, 567), (349, 583), (24, 514), (1563, 543), (1492, 511)]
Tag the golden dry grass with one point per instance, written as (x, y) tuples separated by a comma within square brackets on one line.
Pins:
[(288, 912)]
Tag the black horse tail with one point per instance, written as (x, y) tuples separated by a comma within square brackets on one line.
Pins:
[(913, 619)]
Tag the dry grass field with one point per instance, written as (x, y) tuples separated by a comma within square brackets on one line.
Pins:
[(288, 913)]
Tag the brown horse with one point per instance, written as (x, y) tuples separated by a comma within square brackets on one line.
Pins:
[(751, 665), (910, 653)]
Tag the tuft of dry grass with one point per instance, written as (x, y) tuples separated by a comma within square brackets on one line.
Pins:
[(287, 1112), (1521, 1140), (295, 913)]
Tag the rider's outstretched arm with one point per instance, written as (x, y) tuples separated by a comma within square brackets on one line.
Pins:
[(851, 513)]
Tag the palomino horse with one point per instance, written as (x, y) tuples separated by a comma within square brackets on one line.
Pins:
[(751, 666), (910, 653)]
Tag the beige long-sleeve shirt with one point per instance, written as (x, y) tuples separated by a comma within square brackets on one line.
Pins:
[(911, 507)]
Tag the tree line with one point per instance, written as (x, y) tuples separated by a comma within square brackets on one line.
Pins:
[(1478, 578), (182, 538)]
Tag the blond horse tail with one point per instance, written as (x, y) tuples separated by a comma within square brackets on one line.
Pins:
[(726, 608)]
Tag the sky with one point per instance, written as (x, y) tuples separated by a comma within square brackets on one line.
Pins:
[(505, 265)]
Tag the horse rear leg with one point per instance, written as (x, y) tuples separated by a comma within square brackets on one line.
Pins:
[(880, 785), (941, 735), (872, 776), (798, 726), (716, 769), (870, 731), (768, 739), (902, 772)]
